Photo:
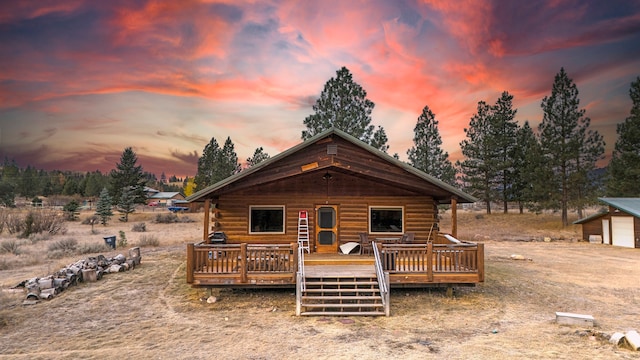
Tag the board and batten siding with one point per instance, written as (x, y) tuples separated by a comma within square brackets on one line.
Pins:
[(233, 215)]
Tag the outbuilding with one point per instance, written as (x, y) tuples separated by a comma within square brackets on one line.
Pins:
[(618, 226)]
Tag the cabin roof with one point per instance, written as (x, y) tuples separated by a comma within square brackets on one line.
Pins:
[(628, 205), (428, 179)]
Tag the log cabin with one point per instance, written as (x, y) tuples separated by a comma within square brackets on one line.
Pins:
[(331, 213)]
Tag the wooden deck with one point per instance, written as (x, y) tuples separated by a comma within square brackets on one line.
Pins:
[(408, 265)]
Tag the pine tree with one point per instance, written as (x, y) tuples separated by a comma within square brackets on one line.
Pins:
[(103, 208), (624, 169), (126, 205), (503, 132), (529, 168), (216, 163), (258, 156), (343, 104), (568, 146), (478, 167), (426, 154), (130, 176)]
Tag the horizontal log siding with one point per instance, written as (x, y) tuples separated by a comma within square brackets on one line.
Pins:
[(353, 216)]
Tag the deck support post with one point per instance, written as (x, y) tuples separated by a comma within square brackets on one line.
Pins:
[(480, 262), (190, 254), (450, 290), (243, 263), (430, 262), (454, 217), (207, 210)]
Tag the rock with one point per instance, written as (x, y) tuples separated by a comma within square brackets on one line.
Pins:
[(211, 299), (547, 239)]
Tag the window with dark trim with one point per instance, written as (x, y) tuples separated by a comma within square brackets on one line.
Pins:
[(386, 219), (266, 219)]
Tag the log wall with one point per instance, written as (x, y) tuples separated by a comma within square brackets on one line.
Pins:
[(232, 216)]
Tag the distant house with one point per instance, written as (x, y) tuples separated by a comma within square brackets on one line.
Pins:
[(619, 226), (161, 198)]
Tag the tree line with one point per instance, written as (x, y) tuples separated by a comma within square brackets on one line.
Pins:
[(551, 167)]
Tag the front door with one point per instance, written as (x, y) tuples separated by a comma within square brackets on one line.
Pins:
[(327, 229)]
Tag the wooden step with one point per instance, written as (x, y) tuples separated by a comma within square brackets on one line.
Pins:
[(340, 283), (342, 313), (338, 306), (341, 297), (371, 291)]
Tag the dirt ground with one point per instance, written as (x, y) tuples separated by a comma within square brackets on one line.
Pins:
[(151, 313)]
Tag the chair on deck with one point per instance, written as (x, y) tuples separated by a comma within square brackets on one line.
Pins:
[(407, 238), (365, 244)]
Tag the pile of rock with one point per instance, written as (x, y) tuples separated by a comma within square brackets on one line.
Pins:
[(87, 270)]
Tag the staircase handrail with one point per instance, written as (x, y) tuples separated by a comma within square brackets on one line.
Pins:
[(382, 279)]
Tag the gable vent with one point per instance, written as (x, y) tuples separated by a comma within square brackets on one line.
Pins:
[(332, 149)]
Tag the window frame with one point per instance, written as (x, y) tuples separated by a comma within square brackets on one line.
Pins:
[(268, 207), (385, 207)]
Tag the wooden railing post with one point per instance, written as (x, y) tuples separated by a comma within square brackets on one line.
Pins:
[(207, 209), (430, 261), (190, 265), (454, 217), (243, 263), (480, 262)]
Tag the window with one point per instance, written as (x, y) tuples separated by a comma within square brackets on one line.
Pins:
[(266, 219), (386, 219)]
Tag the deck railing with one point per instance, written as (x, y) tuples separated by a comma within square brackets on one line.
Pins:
[(239, 261), (458, 258)]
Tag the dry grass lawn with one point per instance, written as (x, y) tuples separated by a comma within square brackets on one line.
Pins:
[(151, 313)]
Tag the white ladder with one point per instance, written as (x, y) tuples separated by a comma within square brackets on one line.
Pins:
[(303, 230)]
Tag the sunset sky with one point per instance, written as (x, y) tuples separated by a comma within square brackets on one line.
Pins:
[(82, 80)]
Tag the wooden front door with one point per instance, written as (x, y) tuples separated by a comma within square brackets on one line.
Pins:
[(327, 228)]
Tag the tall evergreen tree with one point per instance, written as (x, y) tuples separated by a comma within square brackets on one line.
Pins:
[(343, 104), (216, 163), (478, 168), (126, 205), (568, 146), (28, 184), (503, 133), (258, 156), (427, 154), (103, 208), (624, 169), (128, 175)]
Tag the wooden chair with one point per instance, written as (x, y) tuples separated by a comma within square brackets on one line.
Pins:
[(365, 244)]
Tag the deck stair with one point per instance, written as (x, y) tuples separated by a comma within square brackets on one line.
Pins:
[(347, 290)]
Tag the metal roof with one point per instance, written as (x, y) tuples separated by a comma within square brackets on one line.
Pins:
[(628, 205), (163, 195), (589, 218), (464, 197)]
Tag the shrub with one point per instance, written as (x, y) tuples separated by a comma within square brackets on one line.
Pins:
[(139, 227), (14, 223), (68, 245), (169, 218), (10, 247), (148, 241), (92, 248), (34, 238), (91, 220), (122, 241)]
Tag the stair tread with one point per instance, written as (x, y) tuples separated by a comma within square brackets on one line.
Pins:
[(372, 305), (361, 290), (336, 283), (342, 297), (344, 313)]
